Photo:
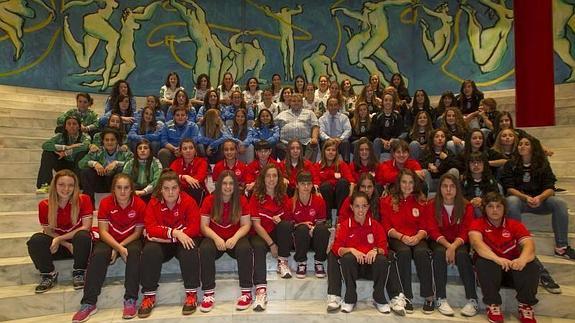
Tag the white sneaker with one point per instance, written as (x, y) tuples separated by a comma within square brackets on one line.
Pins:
[(347, 308), (261, 301), (470, 309), (444, 308), (333, 303), (398, 304), (382, 308), (284, 270)]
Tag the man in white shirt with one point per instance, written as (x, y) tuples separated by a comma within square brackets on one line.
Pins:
[(301, 124), (334, 124)]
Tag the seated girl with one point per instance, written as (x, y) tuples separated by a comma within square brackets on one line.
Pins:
[(181, 100), (213, 132), (294, 163), (63, 151), (144, 170), (364, 159), (405, 220), (66, 218), (418, 135), (273, 231), (172, 230), (505, 251), (88, 118), (265, 129), (241, 132), (225, 224), (232, 163), (97, 169), (450, 220), (120, 227), (437, 159), (360, 246), (192, 170), (147, 127)]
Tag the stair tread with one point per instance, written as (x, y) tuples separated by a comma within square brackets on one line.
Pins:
[(364, 311)]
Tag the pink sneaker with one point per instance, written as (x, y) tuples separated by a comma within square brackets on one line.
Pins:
[(86, 310), (130, 309)]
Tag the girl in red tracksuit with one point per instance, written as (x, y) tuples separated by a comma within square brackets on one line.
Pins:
[(263, 157), (308, 215), (172, 230), (361, 248), (364, 159), (451, 217), (66, 217), (231, 163), (268, 210), (192, 170), (120, 226), (404, 217), (225, 225), (295, 163), (335, 177)]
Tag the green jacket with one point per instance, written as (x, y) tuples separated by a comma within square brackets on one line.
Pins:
[(100, 157), (59, 143), (88, 119), (146, 184)]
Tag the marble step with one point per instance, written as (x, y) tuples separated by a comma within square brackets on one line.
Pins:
[(559, 131), (31, 113), (12, 202), (27, 122), (18, 170), (20, 301), (19, 221), (11, 141), (25, 155), (17, 92), (18, 185), (31, 132), (281, 311)]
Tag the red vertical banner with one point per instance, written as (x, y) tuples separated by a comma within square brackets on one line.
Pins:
[(534, 81)]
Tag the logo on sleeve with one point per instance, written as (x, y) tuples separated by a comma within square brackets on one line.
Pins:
[(415, 212)]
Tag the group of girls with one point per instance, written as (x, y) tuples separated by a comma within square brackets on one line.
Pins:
[(176, 226), (377, 238)]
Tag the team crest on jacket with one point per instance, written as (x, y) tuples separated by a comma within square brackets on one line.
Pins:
[(337, 175), (312, 212), (176, 213), (506, 234), (415, 212), (132, 214), (370, 238), (238, 172)]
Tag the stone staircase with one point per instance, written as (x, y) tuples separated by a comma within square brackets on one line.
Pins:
[(27, 119)]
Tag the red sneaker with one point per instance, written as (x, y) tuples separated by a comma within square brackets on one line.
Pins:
[(207, 303), (526, 314), (190, 304), (147, 306), (494, 313), (244, 301)]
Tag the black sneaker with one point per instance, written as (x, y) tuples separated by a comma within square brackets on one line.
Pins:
[(428, 307), (408, 306), (549, 284), (47, 282), (567, 253), (78, 278)]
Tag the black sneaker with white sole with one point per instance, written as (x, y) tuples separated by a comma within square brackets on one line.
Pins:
[(566, 253), (549, 284), (47, 282), (408, 306), (428, 307)]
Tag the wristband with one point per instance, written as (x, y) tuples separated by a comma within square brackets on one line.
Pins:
[(401, 238)]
